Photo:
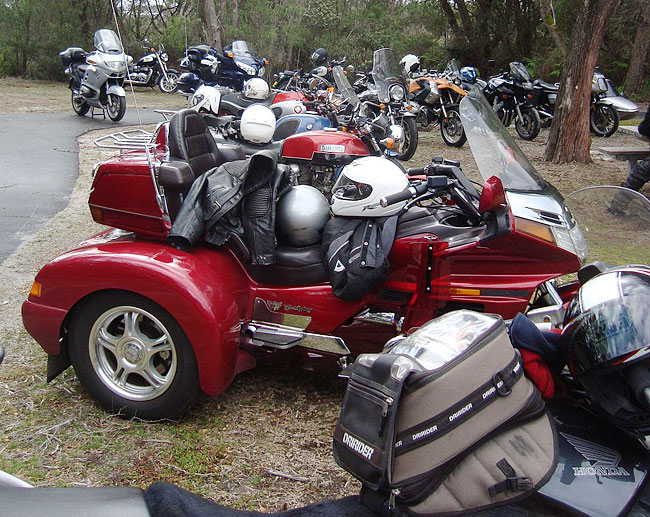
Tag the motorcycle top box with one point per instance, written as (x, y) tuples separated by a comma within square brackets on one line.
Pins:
[(146, 325)]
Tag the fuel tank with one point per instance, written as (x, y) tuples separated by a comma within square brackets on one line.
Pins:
[(324, 147)]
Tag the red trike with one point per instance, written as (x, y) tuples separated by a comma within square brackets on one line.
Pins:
[(146, 326)]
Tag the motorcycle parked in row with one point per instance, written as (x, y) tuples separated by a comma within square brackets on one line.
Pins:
[(380, 114), (151, 70), (97, 78), (603, 113), (435, 99), (448, 253), (230, 69), (511, 94)]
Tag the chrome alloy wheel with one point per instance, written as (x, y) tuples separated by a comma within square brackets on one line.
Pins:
[(132, 353)]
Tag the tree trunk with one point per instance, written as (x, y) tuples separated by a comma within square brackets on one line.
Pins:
[(213, 27), (569, 139), (548, 15), (234, 14), (636, 71)]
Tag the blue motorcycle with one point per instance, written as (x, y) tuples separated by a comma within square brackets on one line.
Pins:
[(230, 68)]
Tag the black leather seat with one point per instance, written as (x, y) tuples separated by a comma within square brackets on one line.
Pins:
[(236, 103), (293, 267), (192, 152)]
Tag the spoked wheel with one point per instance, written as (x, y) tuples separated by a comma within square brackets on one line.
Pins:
[(529, 125), (132, 357), (410, 135), (115, 107), (168, 84), (451, 129), (79, 104), (604, 119)]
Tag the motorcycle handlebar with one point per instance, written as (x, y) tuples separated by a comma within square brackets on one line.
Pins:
[(408, 193)]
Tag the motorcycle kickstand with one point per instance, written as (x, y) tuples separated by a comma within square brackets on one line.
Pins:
[(92, 113)]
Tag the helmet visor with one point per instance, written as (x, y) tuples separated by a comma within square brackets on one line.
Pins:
[(616, 332), (350, 190)]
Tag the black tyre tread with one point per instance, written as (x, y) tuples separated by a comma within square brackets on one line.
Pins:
[(120, 112), (596, 130), (174, 401), (83, 110), (461, 141), (537, 124), (413, 141)]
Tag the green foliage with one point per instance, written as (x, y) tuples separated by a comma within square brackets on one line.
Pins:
[(32, 32)]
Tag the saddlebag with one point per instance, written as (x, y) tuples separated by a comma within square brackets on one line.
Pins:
[(444, 422)]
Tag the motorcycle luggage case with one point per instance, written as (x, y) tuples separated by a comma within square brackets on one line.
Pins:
[(324, 147), (444, 421), (73, 55), (123, 196)]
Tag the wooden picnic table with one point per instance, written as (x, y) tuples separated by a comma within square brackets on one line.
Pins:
[(630, 154)]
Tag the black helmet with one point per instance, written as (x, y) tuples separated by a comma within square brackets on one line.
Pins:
[(319, 57), (607, 326)]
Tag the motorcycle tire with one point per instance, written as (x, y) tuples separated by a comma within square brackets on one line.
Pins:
[(169, 84), (604, 119), (451, 129), (529, 127), (81, 107), (115, 107), (411, 135), (150, 375)]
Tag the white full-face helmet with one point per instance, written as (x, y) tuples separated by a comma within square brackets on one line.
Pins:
[(257, 124), (256, 89), (410, 63), (363, 183)]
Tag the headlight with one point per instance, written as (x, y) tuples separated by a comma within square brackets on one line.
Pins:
[(115, 65), (570, 240), (261, 72), (250, 70), (164, 56), (396, 93)]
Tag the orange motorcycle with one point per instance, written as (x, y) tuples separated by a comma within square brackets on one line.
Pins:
[(436, 100)]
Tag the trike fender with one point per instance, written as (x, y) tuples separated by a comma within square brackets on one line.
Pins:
[(205, 291)]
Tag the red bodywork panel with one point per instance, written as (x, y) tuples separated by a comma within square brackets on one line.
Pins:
[(206, 291), (289, 96), (123, 195), (337, 144)]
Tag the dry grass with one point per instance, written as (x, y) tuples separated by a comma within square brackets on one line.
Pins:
[(225, 447), (23, 96)]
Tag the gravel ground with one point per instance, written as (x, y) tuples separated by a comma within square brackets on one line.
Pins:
[(226, 448)]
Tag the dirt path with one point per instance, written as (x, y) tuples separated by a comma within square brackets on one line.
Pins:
[(54, 435)]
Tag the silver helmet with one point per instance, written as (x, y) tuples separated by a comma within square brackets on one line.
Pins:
[(301, 216)]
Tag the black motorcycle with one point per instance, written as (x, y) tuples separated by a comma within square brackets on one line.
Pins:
[(151, 70), (319, 78), (512, 96), (380, 115)]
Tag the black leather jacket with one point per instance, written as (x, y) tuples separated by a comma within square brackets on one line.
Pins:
[(236, 198)]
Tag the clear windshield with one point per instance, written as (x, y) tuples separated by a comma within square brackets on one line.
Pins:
[(495, 151), (240, 47), (615, 223), (344, 87), (519, 71), (386, 70), (452, 70), (107, 41)]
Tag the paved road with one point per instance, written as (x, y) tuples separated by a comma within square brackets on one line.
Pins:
[(39, 167)]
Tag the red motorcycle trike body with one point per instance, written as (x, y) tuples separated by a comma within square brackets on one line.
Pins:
[(233, 313)]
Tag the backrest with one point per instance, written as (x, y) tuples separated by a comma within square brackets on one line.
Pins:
[(190, 140)]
